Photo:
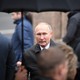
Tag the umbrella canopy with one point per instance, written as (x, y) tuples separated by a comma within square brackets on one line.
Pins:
[(40, 5)]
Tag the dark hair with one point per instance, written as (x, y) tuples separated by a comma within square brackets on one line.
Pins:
[(28, 16), (72, 13)]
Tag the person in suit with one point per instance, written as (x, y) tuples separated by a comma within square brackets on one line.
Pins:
[(43, 34), (72, 37), (8, 62), (7, 59)]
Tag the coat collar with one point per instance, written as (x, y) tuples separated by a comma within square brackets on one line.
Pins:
[(19, 20), (38, 49)]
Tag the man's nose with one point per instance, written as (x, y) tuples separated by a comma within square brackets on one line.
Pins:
[(42, 36)]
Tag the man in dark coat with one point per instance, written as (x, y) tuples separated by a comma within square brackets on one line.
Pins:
[(43, 34), (72, 38), (7, 59)]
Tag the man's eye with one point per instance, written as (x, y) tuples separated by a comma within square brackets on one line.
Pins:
[(44, 33), (39, 34)]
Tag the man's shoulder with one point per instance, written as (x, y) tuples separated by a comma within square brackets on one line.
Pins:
[(4, 40), (5, 44), (31, 50), (75, 17), (27, 23), (52, 43)]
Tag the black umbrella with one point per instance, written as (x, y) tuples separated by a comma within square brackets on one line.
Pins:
[(40, 5)]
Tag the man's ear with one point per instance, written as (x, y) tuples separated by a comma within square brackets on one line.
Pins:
[(61, 69), (51, 34)]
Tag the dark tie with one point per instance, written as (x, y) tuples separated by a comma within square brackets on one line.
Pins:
[(44, 48)]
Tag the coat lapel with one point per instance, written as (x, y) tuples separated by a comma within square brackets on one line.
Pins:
[(37, 48)]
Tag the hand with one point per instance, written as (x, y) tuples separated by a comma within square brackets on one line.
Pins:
[(19, 63), (21, 74)]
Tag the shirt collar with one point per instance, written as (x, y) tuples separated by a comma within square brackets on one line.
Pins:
[(48, 45), (19, 20)]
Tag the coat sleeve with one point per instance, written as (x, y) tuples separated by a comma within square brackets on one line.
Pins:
[(71, 30), (11, 62)]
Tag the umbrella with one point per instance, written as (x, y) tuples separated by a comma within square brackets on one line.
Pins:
[(40, 5)]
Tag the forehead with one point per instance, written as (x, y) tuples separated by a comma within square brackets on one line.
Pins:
[(42, 28)]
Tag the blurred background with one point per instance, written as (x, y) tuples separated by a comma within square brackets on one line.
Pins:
[(58, 21), (6, 24)]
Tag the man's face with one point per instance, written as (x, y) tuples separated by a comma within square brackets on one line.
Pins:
[(16, 15), (43, 35)]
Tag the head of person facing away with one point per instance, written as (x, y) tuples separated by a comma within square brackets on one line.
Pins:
[(43, 34), (72, 13), (53, 64), (72, 60), (18, 15)]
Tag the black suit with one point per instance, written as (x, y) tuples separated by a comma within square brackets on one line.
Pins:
[(72, 38), (30, 61), (7, 59)]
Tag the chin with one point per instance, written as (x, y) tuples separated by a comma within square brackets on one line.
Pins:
[(43, 45)]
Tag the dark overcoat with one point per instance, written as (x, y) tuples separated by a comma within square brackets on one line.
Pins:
[(30, 61), (7, 59)]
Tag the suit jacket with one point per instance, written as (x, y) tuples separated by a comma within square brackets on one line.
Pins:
[(7, 59), (30, 61)]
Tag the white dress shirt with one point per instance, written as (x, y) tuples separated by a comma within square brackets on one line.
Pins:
[(46, 47)]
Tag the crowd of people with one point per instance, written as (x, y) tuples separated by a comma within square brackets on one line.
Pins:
[(45, 60)]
